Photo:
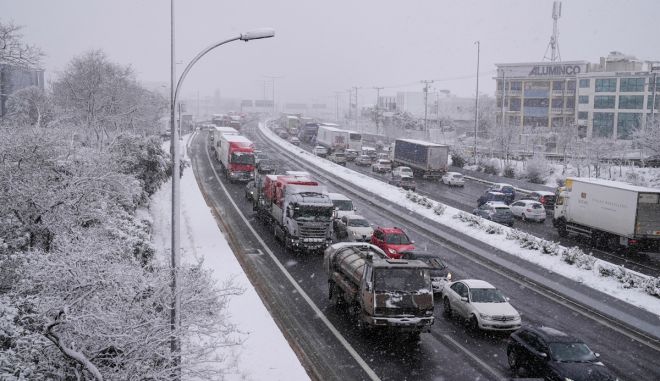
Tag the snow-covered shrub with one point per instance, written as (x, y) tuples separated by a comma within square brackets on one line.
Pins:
[(439, 209), (457, 160), (509, 172), (490, 167), (536, 170)]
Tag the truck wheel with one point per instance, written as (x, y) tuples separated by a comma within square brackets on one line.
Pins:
[(561, 229), (447, 307)]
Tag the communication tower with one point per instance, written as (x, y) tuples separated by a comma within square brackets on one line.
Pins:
[(553, 45)]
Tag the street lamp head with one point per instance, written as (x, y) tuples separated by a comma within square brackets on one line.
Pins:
[(258, 34)]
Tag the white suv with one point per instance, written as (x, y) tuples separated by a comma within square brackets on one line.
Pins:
[(402, 172), (453, 178)]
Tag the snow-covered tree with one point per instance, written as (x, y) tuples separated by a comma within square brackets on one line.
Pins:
[(648, 138), (15, 52), (30, 106)]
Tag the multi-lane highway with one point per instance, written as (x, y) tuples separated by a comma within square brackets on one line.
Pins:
[(294, 288)]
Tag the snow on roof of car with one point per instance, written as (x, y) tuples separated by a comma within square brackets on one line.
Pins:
[(338, 196), (544, 193), (498, 204), (476, 283), (615, 184), (552, 331), (496, 193)]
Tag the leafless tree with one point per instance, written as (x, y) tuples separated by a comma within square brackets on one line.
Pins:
[(13, 51), (30, 106)]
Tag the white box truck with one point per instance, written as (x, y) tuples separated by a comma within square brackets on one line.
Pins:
[(330, 136), (610, 213), (426, 159)]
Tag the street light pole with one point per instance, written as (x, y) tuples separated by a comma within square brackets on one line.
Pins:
[(378, 89), (476, 105), (175, 313)]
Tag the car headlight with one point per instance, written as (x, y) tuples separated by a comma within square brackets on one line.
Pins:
[(392, 251), (486, 317), (449, 277), (516, 317), (568, 379)]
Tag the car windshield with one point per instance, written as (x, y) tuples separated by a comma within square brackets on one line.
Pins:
[(242, 158), (435, 263), (486, 295), (458, 177), (312, 213), (537, 206), (358, 223), (384, 162), (344, 205), (397, 239), (571, 352), (507, 189), (338, 154), (402, 279)]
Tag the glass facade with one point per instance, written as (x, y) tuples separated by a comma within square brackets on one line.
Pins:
[(604, 101), (583, 99), (603, 125), (606, 85), (557, 85), (516, 85), (631, 102), (584, 115), (631, 84), (627, 123), (514, 104), (585, 83), (649, 102)]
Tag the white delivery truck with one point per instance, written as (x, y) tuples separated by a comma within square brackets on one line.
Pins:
[(610, 213), (332, 137), (426, 159)]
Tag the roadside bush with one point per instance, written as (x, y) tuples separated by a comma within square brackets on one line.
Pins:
[(509, 172), (536, 170), (457, 160)]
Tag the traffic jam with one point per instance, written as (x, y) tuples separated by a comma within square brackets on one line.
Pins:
[(376, 273)]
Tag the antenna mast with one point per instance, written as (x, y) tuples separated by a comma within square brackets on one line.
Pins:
[(554, 41)]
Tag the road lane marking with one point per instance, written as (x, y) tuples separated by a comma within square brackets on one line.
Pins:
[(370, 372)]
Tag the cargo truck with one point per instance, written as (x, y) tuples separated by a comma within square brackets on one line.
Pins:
[(215, 132), (308, 132), (236, 155), (611, 214), (428, 160), (381, 292), (297, 208), (330, 136)]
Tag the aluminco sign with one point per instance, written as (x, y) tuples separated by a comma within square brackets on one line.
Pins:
[(548, 70)]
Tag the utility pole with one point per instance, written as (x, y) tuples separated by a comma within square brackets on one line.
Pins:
[(273, 78), (357, 110), (378, 89), (337, 94), (426, 103), (476, 105)]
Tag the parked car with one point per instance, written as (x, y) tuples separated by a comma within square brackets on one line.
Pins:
[(554, 355), (259, 156), (495, 211), (505, 188), (351, 154), (405, 182), (481, 304), (528, 209), (265, 166), (440, 274), (453, 179), (381, 165), (363, 160), (383, 155), (370, 151), (338, 157), (320, 151), (491, 196), (353, 228), (250, 189), (294, 140), (283, 134), (652, 161), (402, 171), (392, 241), (544, 197)]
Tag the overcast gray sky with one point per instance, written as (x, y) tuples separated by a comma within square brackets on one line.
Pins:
[(326, 46)]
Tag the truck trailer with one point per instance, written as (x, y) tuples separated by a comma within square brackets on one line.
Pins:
[(428, 160), (236, 155), (298, 209), (611, 214), (382, 292), (330, 136)]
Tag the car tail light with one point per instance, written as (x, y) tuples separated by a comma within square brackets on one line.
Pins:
[(632, 242)]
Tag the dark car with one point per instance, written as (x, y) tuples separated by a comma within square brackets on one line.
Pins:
[(652, 161), (492, 196), (495, 211), (405, 182), (544, 197), (249, 190), (439, 274), (265, 166), (554, 355), (505, 188)]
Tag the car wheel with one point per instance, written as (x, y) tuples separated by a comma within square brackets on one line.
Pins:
[(513, 361), (473, 324), (523, 217), (542, 221), (447, 307)]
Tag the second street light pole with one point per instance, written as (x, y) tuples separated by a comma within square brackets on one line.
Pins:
[(378, 89), (476, 106)]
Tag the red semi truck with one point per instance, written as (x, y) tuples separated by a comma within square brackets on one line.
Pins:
[(236, 155)]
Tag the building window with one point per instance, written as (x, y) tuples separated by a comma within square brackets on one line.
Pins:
[(583, 99), (606, 85), (604, 101), (516, 85), (649, 102), (499, 85), (536, 102), (533, 121), (627, 123), (583, 115), (557, 102), (570, 85), (514, 104), (603, 125), (570, 102), (632, 85), (631, 102), (585, 83), (557, 85)]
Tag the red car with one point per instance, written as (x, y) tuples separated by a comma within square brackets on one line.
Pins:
[(392, 241)]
